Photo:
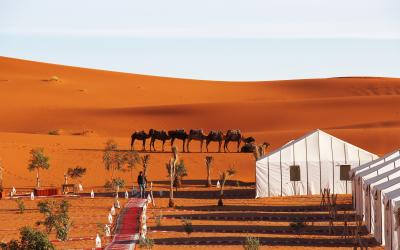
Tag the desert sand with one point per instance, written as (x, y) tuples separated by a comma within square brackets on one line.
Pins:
[(86, 107)]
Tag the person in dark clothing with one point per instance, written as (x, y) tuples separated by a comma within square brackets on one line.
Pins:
[(141, 180)]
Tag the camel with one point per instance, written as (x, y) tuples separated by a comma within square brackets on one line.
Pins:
[(160, 135), (141, 136), (197, 135), (217, 136), (232, 135), (248, 139), (179, 134)]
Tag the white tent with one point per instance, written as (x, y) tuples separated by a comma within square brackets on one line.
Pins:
[(368, 188), (382, 192), (306, 165), (357, 183), (368, 173), (392, 222)]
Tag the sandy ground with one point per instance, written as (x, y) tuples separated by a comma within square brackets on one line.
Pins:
[(87, 107)]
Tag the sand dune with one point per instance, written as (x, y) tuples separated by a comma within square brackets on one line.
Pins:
[(38, 98)]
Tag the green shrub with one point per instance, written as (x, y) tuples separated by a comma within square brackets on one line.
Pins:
[(21, 205), (146, 243), (30, 239), (187, 226), (251, 243)]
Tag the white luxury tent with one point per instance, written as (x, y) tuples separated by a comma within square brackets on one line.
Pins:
[(377, 208), (307, 165), (381, 166), (356, 180), (368, 188), (392, 220)]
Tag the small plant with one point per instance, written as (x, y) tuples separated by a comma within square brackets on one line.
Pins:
[(158, 219), (251, 243), (21, 205), (29, 239), (146, 243), (54, 132), (187, 226), (55, 217), (224, 176)]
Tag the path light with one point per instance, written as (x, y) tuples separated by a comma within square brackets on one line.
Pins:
[(126, 195), (107, 230), (14, 191), (80, 187), (92, 194), (218, 184), (112, 211), (32, 196), (116, 204), (98, 241), (110, 218)]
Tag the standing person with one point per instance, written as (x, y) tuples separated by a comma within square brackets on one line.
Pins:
[(142, 184)]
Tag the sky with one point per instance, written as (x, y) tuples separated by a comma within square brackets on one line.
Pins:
[(209, 39)]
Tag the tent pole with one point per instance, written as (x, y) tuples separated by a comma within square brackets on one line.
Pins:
[(269, 192), (307, 165), (319, 159), (345, 161), (333, 168), (280, 166)]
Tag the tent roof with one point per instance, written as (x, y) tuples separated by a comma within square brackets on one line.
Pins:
[(318, 131), (356, 169), (387, 184), (383, 175), (391, 195), (375, 168)]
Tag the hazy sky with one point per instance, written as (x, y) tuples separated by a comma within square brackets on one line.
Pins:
[(209, 39)]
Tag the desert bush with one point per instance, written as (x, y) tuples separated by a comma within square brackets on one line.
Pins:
[(54, 132), (146, 243), (30, 239), (20, 205), (187, 226), (55, 217), (76, 172), (251, 243), (158, 219)]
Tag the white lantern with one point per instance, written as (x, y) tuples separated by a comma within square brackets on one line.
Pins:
[(32, 196), (126, 195), (218, 185), (110, 218), (98, 241), (112, 211), (92, 194), (80, 187)]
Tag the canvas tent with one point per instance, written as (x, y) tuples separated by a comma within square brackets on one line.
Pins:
[(308, 164), (377, 209), (368, 188), (360, 178), (353, 172), (392, 222)]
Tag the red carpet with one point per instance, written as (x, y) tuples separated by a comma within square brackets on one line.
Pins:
[(128, 225)]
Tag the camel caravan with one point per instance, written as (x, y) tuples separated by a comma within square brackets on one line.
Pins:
[(232, 135)]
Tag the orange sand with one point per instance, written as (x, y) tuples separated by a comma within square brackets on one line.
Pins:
[(87, 107)]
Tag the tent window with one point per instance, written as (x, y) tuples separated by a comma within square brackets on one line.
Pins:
[(295, 173), (344, 172)]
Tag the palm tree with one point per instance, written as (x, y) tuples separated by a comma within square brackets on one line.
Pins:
[(38, 161), (209, 160), (224, 177), (172, 168), (145, 163), (112, 159)]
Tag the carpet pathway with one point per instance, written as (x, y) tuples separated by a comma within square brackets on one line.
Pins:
[(128, 225)]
